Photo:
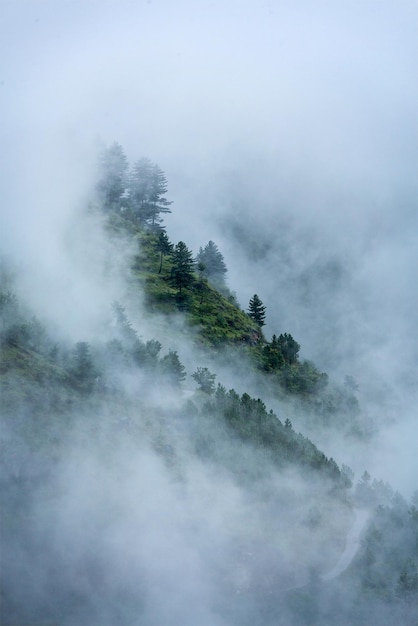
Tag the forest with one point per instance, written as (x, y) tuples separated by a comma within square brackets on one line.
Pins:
[(139, 486)]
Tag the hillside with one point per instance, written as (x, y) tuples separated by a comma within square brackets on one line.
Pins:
[(123, 490)]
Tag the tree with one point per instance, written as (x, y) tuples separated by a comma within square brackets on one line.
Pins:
[(183, 266), (113, 180), (257, 311), (148, 186), (163, 246), (158, 189), (289, 348), (140, 189), (213, 261), (128, 334), (146, 354), (202, 284), (272, 357), (82, 369), (172, 368), (205, 379)]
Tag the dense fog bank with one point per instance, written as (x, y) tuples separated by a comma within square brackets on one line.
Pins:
[(131, 493)]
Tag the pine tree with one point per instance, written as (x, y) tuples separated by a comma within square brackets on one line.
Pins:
[(213, 261), (172, 368), (148, 186), (82, 370), (164, 246), (183, 266), (257, 311), (140, 189), (113, 182), (158, 188), (202, 284), (205, 379), (289, 348)]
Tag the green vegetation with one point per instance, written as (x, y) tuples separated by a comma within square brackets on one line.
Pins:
[(257, 310), (212, 265), (105, 390), (249, 419)]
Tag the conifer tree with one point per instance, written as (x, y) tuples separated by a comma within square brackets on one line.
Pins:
[(257, 311), (158, 188), (172, 368), (164, 246), (140, 189), (205, 379), (213, 261), (148, 186), (112, 185), (183, 266), (289, 347), (82, 370)]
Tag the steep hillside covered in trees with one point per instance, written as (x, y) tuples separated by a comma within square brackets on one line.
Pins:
[(128, 498)]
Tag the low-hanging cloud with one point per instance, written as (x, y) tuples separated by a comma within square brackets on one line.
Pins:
[(288, 136)]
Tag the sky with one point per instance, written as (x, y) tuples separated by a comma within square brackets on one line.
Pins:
[(288, 133)]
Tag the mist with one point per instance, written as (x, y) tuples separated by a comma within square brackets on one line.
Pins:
[(288, 135)]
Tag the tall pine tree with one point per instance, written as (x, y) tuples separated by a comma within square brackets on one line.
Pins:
[(257, 311), (183, 266), (214, 265), (164, 246), (148, 186), (113, 180)]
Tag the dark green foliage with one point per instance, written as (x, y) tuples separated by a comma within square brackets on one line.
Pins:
[(249, 419), (257, 311), (272, 358), (146, 354), (280, 358), (212, 265), (172, 368), (182, 267), (302, 378), (288, 347), (217, 316), (201, 285), (205, 379), (164, 247)]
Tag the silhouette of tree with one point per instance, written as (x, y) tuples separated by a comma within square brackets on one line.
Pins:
[(257, 311)]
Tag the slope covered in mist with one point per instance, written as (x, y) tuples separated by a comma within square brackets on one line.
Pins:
[(130, 498), (134, 489)]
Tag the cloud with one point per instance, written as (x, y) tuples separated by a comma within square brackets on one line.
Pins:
[(288, 135)]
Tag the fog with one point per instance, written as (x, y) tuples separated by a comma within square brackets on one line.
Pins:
[(288, 135)]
